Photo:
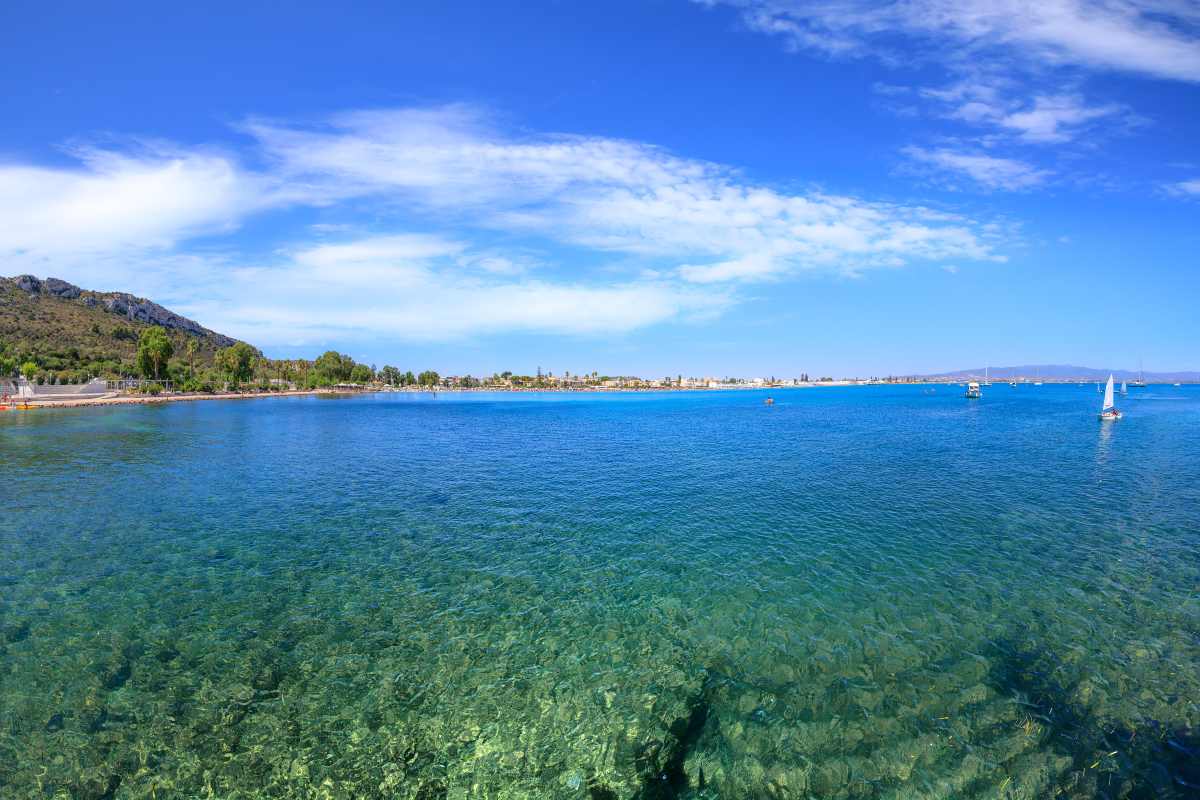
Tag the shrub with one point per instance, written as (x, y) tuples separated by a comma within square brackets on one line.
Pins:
[(197, 385)]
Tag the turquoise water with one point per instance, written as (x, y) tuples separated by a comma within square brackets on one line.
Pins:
[(869, 592)]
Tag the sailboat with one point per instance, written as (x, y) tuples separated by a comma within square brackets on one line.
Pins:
[(986, 380), (1037, 377), (1108, 411), (1140, 383), (1124, 388)]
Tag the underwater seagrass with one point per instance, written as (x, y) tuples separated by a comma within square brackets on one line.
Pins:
[(850, 594)]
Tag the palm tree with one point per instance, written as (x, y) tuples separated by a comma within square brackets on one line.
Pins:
[(192, 348)]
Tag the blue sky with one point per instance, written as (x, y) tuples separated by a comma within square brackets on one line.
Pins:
[(744, 187)]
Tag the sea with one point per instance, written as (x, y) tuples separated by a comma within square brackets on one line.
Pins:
[(852, 592)]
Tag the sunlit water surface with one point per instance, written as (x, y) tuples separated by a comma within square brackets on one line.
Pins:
[(870, 592)]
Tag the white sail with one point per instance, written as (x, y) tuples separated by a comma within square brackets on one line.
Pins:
[(1108, 394), (1124, 388)]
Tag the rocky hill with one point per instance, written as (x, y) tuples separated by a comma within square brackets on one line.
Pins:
[(67, 327)]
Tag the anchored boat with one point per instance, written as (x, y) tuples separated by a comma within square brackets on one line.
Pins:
[(973, 391), (1140, 383)]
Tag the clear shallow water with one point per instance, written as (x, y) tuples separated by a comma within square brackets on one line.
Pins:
[(856, 593)]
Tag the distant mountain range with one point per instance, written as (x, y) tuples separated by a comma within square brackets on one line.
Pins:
[(1059, 372)]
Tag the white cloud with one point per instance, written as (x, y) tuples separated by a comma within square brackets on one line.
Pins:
[(748, 267), (1055, 119), (495, 262), (990, 171), (450, 157), (395, 262), (1047, 119), (1014, 66), (114, 201), (415, 288), (607, 195), (499, 208), (1188, 188), (1149, 37)]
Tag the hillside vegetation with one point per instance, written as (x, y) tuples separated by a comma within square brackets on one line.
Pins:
[(72, 333), (53, 332)]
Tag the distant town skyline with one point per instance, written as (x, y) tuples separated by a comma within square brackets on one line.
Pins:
[(724, 187)]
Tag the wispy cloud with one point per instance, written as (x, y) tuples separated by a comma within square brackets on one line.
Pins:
[(607, 195), (1013, 71), (438, 222), (116, 201), (1149, 37), (1048, 119), (415, 287), (1056, 119), (989, 171), (1185, 188)]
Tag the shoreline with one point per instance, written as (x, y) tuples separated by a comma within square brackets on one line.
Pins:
[(119, 400), (123, 400)]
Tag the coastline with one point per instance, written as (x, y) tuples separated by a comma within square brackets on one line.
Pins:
[(121, 400), (118, 400)]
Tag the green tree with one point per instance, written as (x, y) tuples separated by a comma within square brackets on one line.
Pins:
[(237, 362), (361, 373), (29, 370), (154, 350), (192, 348), (390, 375), (333, 367), (428, 378), (8, 361)]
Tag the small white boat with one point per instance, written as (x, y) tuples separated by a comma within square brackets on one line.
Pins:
[(973, 391), (986, 380), (1124, 388), (1108, 411), (1140, 383)]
